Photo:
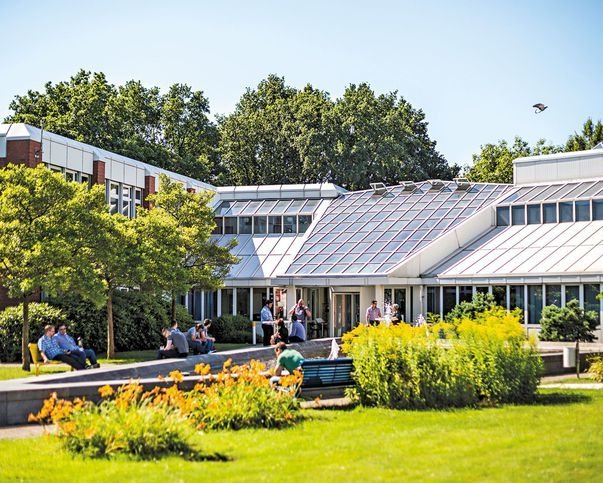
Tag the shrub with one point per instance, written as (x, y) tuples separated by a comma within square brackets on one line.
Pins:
[(468, 310), (484, 360), (596, 368), (11, 327), (232, 328)]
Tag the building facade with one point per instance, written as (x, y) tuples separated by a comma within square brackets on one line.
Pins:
[(425, 246)]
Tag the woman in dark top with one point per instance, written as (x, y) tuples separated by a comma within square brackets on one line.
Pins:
[(281, 334)]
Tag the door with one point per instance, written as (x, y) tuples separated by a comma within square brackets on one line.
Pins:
[(346, 314)]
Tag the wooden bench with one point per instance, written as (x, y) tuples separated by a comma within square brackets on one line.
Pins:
[(36, 358), (326, 378)]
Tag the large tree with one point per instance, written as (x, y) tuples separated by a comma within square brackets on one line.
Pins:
[(278, 134), (201, 263), (588, 138), (170, 130), (44, 223)]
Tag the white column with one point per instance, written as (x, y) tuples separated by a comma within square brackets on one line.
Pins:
[(219, 304), (234, 301), (441, 289), (203, 305), (508, 297)]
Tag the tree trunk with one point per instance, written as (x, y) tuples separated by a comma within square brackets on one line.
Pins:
[(25, 336), (110, 333), (577, 358), (173, 308)]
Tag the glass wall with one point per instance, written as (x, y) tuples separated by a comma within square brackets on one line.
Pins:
[(449, 298), (211, 304), (243, 302), (590, 298), (534, 303), (499, 292), (465, 293), (516, 300), (433, 300), (553, 295), (572, 292)]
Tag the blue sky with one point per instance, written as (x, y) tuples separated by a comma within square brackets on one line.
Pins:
[(475, 68)]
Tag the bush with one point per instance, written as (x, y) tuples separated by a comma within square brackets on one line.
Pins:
[(484, 360), (11, 327), (596, 368), (235, 329)]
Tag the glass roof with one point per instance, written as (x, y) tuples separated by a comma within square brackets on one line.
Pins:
[(363, 233), (266, 207), (565, 191)]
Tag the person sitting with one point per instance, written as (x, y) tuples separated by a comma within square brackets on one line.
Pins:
[(176, 344), (395, 314), (206, 338), (288, 359), (281, 334), (298, 331), (194, 339), (50, 350), (66, 342)]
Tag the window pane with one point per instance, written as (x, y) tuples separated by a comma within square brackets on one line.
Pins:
[(553, 295), (549, 211), (433, 300), (227, 299), (500, 295), (518, 215), (534, 303), (243, 302), (582, 210), (597, 209), (465, 294), (289, 224), (219, 226), (516, 297), (449, 299), (502, 216), (275, 224), (304, 222), (245, 225), (591, 291), (230, 225), (566, 212), (259, 225), (533, 214), (572, 292)]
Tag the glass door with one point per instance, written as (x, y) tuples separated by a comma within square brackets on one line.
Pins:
[(396, 296), (346, 313)]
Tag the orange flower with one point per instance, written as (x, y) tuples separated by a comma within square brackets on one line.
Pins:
[(105, 391), (177, 376)]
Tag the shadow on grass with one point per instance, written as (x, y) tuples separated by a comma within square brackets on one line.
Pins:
[(560, 398), (199, 456)]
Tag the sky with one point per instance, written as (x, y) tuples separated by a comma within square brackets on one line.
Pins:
[(475, 68)]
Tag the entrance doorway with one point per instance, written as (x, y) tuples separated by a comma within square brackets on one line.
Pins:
[(346, 315)]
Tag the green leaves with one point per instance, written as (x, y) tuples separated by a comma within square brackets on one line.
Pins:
[(570, 323)]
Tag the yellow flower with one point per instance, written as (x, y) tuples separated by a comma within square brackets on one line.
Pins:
[(177, 376), (106, 391)]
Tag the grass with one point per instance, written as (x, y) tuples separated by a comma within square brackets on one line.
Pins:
[(14, 371), (558, 439)]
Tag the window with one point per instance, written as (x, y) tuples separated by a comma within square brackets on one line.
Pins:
[(502, 216), (243, 302), (275, 224), (518, 215), (553, 295), (85, 180), (259, 225), (226, 295), (572, 292), (126, 201), (597, 209), (289, 224), (516, 297), (499, 293), (433, 300), (211, 304), (582, 210), (534, 303), (245, 225), (303, 223), (137, 200), (465, 294), (218, 230), (71, 176), (533, 214), (113, 197), (566, 212), (230, 225), (549, 212)]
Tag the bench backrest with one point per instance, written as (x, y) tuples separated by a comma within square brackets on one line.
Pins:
[(325, 372), (35, 353)]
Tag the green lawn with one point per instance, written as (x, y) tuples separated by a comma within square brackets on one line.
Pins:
[(558, 439), (14, 371)]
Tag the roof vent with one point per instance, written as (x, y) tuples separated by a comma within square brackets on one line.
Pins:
[(436, 184), (379, 188), (408, 185), (462, 184)]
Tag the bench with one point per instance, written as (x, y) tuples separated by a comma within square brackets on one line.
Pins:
[(36, 358), (326, 378)]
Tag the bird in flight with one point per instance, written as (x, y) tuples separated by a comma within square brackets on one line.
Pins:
[(539, 107)]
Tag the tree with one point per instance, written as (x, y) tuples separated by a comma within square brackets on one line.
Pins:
[(202, 263), (43, 221), (591, 135), (172, 131), (467, 310), (570, 324), (278, 134)]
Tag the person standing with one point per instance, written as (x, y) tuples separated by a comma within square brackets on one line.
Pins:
[(373, 314), (66, 342), (267, 322), (50, 350), (301, 311)]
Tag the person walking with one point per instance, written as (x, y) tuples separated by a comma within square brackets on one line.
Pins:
[(373, 314)]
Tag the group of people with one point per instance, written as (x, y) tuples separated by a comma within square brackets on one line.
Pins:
[(373, 314), (275, 331), (179, 344), (62, 347)]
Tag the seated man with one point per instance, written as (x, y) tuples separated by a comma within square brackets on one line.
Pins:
[(50, 350), (288, 359), (298, 331), (207, 339), (176, 345), (195, 342), (67, 343)]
